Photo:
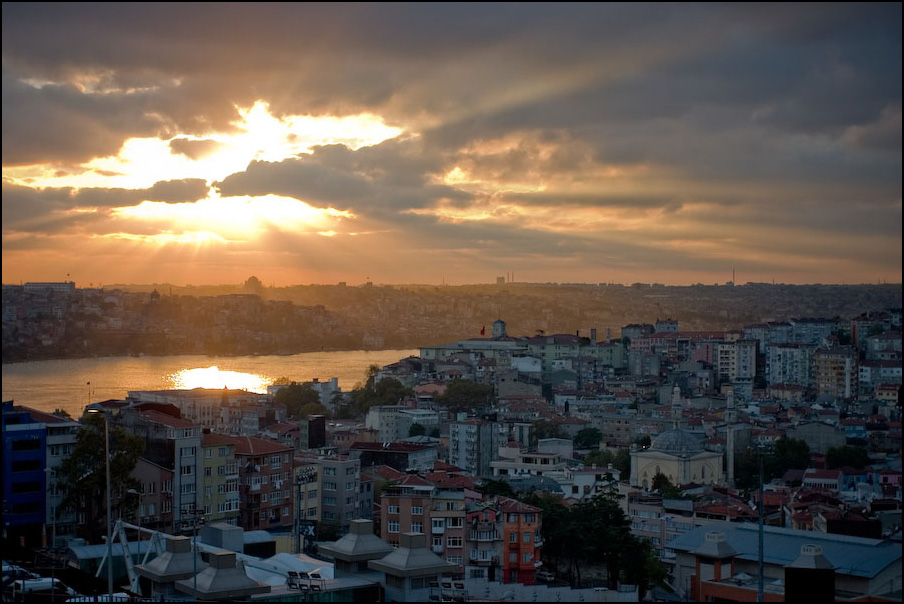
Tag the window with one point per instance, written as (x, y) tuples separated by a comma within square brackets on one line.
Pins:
[(513, 537), (329, 486), (513, 557), (513, 518), (221, 470), (349, 486), (221, 451), (329, 501), (329, 471), (417, 527), (208, 453), (437, 542), (207, 471), (417, 510), (392, 526), (530, 518), (393, 509), (527, 538), (187, 470), (454, 559), (453, 541), (527, 557), (312, 512), (285, 511), (350, 470), (454, 522)]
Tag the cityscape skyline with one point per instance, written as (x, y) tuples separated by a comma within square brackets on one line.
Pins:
[(451, 144)]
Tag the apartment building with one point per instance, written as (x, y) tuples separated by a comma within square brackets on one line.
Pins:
[(521, 539), (220, 496), (24, 478), (174, 444), (265, 478), (514, 462), (60, 434), (790, 364), (341, 497), (837, 372), (474, 444)]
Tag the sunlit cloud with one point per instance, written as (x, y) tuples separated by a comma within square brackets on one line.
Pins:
[(257, 136), (235, 218)]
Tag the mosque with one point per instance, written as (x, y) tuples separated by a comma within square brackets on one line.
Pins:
[(679, 455)]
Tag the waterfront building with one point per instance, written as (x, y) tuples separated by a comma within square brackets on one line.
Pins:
[(24, 478)]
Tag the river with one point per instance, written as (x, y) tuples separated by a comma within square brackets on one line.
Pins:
[(70, 384)]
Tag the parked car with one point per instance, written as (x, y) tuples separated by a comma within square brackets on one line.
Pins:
[(545, 576)]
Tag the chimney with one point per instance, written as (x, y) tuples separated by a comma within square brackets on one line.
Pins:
[(810, 578)]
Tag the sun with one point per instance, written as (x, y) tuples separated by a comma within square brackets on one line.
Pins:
[(257, 135)]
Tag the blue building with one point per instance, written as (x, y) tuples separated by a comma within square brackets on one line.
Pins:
[(24, 478)]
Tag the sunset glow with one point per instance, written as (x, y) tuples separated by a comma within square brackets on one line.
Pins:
[(582, 143), (214, 377)]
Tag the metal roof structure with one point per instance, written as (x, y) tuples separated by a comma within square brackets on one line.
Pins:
[(855, 556)]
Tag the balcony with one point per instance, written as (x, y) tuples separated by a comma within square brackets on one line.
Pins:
[(438, 530), (483, 537)]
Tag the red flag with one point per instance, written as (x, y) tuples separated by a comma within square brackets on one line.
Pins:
[(483, 330)]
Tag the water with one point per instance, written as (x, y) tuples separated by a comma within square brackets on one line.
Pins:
[(70, 384)]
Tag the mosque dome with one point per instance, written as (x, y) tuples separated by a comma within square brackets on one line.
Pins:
[(677, 442)]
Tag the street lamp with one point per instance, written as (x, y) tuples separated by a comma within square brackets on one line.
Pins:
[(109, 507)]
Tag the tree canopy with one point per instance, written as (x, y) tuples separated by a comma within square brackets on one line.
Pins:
[(593, 532), (84, 472), (387, 391), (301, 400), (839, 457), (466, 396), (587, 438)]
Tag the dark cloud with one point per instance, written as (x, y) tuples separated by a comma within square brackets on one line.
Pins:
[(49, 210), (777, 116)]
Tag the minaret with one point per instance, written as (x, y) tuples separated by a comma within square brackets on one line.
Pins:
[(676, 407), (730, 419)]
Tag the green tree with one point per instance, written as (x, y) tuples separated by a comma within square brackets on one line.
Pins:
[(789, 454), (622, 461), (84, 473), (662, 484), (300, 400), (838, 457), (388, 391), (466, 396), (492, 486), (600, 459), (544, 428), (587, 438), (417, 430)]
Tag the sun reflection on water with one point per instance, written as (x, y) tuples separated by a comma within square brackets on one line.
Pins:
[(214, 377)]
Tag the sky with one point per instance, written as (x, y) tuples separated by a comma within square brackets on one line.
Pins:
[(202, 143)]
